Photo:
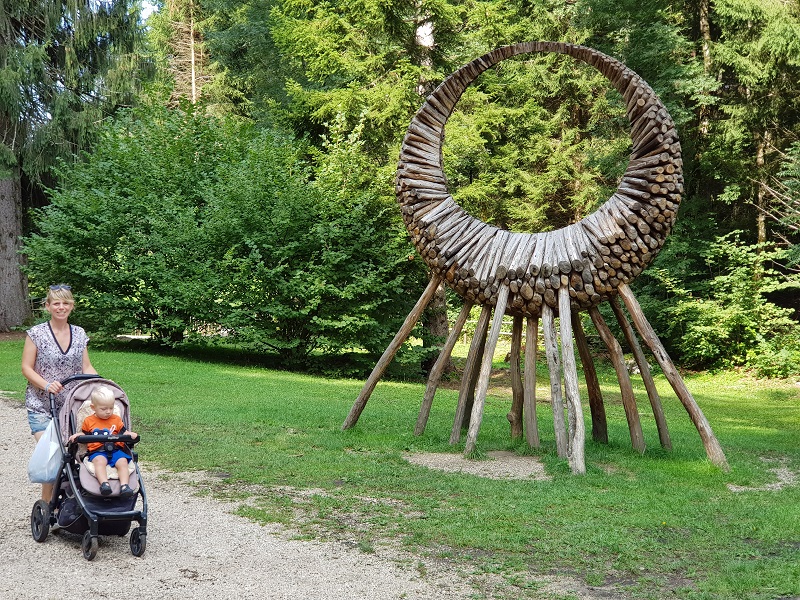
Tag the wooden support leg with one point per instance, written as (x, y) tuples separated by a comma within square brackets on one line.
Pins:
[(529, 388), (554, 366), (710, 442), (515, 414), (599, 423), (486, 371), (436, 372), (468, 377), (618, 360), (644, 370), (391, 350), (577, 429)]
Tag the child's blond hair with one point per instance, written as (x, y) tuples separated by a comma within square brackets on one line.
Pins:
[(102, 394)]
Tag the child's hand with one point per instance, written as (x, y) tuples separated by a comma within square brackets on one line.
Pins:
[(73, 437), (133, 434)]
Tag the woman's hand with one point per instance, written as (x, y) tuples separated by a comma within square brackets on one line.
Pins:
[(54, 387)]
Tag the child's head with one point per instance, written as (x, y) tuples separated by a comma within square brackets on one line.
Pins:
[(103, 401)]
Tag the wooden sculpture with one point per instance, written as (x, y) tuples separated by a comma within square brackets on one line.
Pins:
[(533, 276)]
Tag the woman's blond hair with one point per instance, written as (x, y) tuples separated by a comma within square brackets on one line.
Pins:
[(59, 293)]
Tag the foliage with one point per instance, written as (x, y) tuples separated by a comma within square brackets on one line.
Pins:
[(203, 245), (726, 320), (785, 206), (64, 66), (536, 144)]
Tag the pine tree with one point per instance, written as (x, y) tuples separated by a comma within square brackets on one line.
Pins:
[(64, 66)]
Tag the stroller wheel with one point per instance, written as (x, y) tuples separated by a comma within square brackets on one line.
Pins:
[(89, 546), (138, 542), (40, 520)]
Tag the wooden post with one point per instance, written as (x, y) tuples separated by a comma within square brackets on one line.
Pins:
[(577, 428), (644, 370), (391, 350), (486, 371), (598, 411), (710, 442), (529, 388), (515, 414), (474, 356), (626, 389), (554, 366), (436, 371)]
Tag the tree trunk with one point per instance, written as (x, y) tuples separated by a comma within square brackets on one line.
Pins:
[(705, 34), (435, 319), (14, 308)]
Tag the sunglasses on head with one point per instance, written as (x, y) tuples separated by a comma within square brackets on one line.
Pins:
[(60, 286)]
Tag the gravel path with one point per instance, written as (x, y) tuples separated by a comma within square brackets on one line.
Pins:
[(195, 549)]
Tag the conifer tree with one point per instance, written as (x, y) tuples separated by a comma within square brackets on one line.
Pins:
[(64, 66)]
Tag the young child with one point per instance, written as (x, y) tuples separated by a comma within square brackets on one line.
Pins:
[(105, 422)]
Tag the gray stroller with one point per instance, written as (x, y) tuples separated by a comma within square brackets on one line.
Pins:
[(77, 505)]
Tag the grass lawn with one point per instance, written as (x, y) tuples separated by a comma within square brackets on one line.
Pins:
[(662, 524)]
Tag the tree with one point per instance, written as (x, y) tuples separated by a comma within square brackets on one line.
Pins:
[(64, 66), (755, 55), (785, 205), (223, 232), (175, 34)]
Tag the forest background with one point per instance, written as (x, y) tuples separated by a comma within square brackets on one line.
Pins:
[(221, 174)]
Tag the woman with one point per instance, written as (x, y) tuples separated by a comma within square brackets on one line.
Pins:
[(53, 351)]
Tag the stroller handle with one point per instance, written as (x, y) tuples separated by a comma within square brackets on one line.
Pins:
[(80, 377), (77, 377)]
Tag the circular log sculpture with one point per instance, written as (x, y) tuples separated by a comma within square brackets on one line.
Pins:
[(538, 276)]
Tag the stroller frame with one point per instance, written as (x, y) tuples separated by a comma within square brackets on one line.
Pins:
[(97, 516)]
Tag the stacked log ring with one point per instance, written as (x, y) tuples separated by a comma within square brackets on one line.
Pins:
[(590, 258), (535, 276)]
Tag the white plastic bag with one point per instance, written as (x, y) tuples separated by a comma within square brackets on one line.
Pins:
[(45, 461)]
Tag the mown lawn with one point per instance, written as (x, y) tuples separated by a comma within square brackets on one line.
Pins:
[(662, 524)]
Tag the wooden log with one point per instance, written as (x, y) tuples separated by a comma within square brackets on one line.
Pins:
[(644, 370), (710, 442), (438, 368), (626, 389), (391, 350), (529, 387), (467, 387), (596, 407), (576, 428), (486, 372), (554, 367), (517, 392)]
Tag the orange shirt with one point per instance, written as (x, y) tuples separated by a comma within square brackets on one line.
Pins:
[(93, 425)]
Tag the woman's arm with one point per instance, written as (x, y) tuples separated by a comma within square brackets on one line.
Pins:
[(29, 352), (87, 364)]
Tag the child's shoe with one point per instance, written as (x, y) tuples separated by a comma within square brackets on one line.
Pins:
[(105, 488), (125, 491)]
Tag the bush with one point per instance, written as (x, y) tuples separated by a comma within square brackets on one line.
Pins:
[(183, 224), (727, 320)]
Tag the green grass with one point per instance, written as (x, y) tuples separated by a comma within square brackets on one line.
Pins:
[(651, 526)]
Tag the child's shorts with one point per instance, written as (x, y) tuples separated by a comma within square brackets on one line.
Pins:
[(111, 457)]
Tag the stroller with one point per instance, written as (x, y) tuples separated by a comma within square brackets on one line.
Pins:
[(77, 505)]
